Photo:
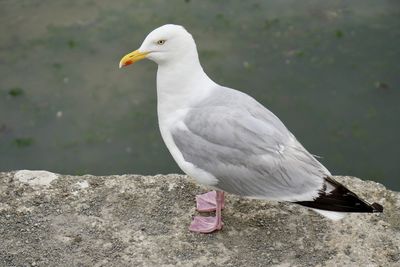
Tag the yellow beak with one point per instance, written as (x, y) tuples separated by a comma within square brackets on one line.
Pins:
[(132, 58)]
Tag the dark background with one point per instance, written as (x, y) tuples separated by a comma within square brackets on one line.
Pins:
[(329, 69)]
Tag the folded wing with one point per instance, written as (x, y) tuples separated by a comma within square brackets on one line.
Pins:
[(248, 149)]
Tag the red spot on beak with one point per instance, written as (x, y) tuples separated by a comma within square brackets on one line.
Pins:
[(128, 62)]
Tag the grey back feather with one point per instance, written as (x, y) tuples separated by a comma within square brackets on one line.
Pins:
[(248, 149)]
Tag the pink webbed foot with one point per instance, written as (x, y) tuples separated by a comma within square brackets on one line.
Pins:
[(207, 202), (205, 225)]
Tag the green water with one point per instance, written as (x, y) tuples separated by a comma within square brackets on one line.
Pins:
[(329, 69)]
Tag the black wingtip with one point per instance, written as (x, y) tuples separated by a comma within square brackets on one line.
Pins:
[(340, 199), (377, 207)]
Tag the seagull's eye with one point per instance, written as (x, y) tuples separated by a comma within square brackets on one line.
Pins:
[(161, 42)]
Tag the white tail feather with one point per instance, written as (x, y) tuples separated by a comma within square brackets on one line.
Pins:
[(333, 215)]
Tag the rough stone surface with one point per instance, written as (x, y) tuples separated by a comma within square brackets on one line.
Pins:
[(35, 178), (132, 220)]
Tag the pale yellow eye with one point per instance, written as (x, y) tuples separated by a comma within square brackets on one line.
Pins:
[(161, 42)]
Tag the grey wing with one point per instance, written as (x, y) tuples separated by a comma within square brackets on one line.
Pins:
[(248, 149)]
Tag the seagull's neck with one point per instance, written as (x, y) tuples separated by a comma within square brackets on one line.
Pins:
[(180, 84)]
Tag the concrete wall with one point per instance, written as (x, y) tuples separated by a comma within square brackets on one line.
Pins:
[(130, 220)]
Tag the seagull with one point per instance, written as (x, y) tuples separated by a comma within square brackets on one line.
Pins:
[(228, 141)]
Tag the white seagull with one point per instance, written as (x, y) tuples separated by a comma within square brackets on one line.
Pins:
[(225, 139)]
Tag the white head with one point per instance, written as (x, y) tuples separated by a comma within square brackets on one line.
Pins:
[(163, 45)]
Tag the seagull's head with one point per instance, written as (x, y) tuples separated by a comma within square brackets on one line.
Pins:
[(165, 44)]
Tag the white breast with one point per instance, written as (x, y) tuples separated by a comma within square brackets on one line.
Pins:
[(179, 89)]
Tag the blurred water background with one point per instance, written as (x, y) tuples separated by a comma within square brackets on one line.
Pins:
[(329, 69)]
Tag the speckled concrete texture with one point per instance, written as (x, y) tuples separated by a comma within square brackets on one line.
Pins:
[(133, 220)]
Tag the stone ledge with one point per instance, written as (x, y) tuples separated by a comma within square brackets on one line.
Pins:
[(133, 220)]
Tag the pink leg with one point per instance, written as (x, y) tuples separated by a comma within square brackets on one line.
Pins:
[(207, 202), (209, 224)]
